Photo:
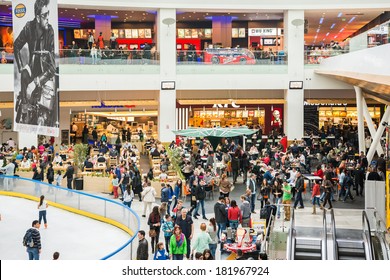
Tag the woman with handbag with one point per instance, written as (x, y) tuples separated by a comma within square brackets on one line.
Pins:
[(154, 222), (265, 190), (148, 197)]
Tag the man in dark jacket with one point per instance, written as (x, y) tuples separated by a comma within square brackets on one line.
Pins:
[(200, 195), (235, 167), (221, 216), (359, 180), (299, 186), (69, 175), (143, 246)]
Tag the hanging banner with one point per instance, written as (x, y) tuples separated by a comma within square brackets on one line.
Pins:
[(36, 99)]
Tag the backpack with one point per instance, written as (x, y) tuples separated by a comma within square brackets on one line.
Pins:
[(28, 240), (264, 212)]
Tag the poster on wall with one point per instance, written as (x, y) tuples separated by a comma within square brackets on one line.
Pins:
[(234, 32), (36, 103), (141, 33), (241, 33), (187, 33), (207, 32), (128, 33), (180, 33), (116, 33), (148, 33), (276, 119), (194, 33), (121, 33), (134, 33)]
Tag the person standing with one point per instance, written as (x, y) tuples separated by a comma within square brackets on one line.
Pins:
[(9, 171), (154, 222), (200, 195), (91, 40), (186, 224), (234, 215), (42, 206), (286, 200), (202, 240), (245, 209), (251, 185), (38, 177), (221, 216), (101, 41), (212, 230), (315, 196), (177, 244), (148, 197), (328, 187), (50, 174), (128, 196), (74, 133), (69, 175), (299, 186), (35, 250), (58, 178), (143, 246), (115, 186), (167, 228)]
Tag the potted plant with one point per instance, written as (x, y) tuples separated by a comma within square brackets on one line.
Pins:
[(79, 156)]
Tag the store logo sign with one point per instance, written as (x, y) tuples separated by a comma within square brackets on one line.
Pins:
[(20, 10), (262, 31)]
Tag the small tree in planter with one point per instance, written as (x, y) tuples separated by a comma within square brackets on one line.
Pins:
[(80, 155)]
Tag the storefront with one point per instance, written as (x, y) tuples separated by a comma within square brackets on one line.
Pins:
[(265, 116), (114, 126)]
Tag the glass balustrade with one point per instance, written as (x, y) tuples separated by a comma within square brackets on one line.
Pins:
[(80, 202)]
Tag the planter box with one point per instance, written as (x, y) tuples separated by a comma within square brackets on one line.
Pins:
[(96, 184)]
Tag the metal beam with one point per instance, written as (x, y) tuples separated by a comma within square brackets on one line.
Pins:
[(378, 135), (360, 117), (370, 125)]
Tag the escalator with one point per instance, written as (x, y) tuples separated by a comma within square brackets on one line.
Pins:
[(352, 244), (306, 243)]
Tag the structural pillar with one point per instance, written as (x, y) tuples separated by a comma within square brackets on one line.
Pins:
[(103, 24), (166, 45), (294, 98), (360, 117), (222, 30)]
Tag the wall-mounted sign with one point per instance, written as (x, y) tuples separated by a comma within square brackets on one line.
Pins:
[(262, 31), (296, 85), (168, 85)]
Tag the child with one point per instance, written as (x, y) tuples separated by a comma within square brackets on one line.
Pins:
[(315, 196), (128, 196), (115, 185), (167, 228), (58, 178), (160, 254)]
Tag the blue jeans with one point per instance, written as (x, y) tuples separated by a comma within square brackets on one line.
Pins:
[(316, 200), (201, 203), (177, 257), (128, 204), (253, 199), (221, 227), (123, 188), (33, 253), (233, 224), (213, 249), (42, 214), (298, 199)]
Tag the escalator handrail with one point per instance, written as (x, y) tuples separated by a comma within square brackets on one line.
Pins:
[(380, 232), (324, 248), (290, 242), (333, 232), (269, 230), (367, 232)]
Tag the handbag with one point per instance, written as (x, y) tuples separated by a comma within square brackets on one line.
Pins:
[(152, 233), (260, 197)]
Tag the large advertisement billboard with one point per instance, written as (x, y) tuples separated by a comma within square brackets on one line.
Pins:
[(36, 99)]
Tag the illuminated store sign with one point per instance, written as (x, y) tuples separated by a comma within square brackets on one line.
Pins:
[(263, 31)]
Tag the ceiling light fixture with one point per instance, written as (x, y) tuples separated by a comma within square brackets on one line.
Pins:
[(333, 25), (351, 20), (321, 20), (340, 14)]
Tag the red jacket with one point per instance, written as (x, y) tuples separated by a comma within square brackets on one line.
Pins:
[(234, 214), (316, 190)]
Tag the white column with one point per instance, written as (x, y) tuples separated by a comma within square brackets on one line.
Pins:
[(167, 48), (27, 140), (360, 116), (376, 139), (294, 98), (370, 125)]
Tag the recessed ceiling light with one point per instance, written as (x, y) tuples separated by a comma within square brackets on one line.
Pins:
[(76, 9), (97, 10), (73, 15), (66, 10), (189, 16), (116, 12), (193, 12), (244, 15)]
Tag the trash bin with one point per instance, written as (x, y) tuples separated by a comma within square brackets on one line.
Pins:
[(78, 184)]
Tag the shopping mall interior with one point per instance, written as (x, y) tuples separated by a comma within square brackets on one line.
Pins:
[(291, 68)]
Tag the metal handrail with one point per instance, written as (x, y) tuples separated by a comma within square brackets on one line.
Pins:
[(366, 222), (290, 241), (324, 249), (333, 232), (381, 232)]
